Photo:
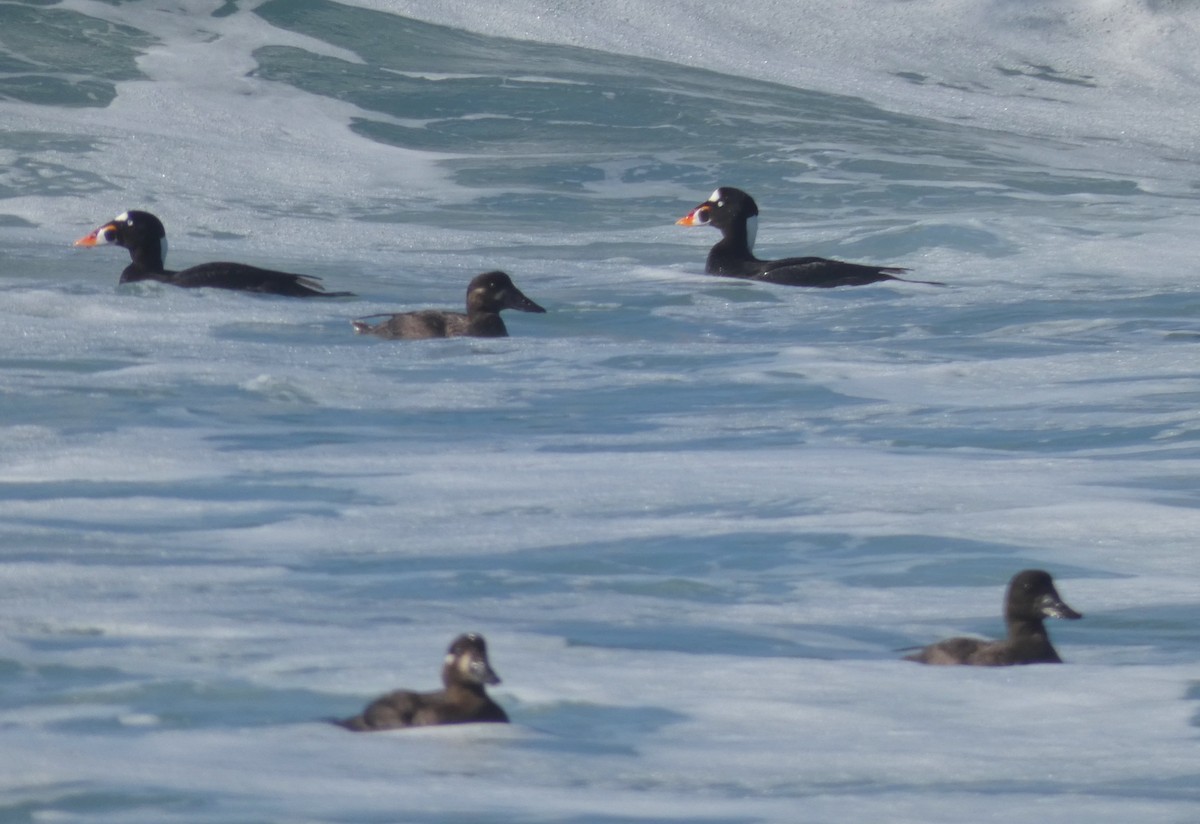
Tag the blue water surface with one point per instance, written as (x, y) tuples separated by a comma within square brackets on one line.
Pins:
[(696, 518)]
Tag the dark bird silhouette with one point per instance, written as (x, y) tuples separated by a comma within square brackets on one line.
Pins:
[(144, 236), (487, 295), (735, 214), (1031, 598), (463, 699)]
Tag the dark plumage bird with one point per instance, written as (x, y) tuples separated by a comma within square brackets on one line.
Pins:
[(735, 214), (487, 295), (1031, 598), (144, 236), (463, 700)]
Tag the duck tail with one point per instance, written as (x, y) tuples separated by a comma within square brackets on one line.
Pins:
[(361, 327), (354, 724), (895, 272)]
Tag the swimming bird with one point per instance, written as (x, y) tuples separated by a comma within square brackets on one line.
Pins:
[(487, 295), (735, 214), (463, 700), (144, 236), (1031, 598)]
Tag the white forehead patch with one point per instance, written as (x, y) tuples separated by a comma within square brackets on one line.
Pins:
[(121, 218), (715, 196)]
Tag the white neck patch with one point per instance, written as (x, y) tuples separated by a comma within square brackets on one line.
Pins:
[(164, 249), (751, 231)]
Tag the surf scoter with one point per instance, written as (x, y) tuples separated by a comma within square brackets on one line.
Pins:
[(487, 295), (144, 236), (463, 701), (1031, 598), (735, 214)]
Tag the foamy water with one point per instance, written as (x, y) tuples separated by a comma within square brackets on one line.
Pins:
[(696, 519)]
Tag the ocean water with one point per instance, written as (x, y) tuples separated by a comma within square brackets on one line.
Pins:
[(696, 519)]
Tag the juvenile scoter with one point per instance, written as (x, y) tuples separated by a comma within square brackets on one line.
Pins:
[(487, 295), (144, 236), (463, 701), (735, 214), (1031, 598)]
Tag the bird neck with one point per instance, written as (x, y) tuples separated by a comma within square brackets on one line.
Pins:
[(149, 257)]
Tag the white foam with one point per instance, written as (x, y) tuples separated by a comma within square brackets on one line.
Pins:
[(202, 129), (691, 516), (1119, 69)]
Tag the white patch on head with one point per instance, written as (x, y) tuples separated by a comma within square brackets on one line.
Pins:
[(163, 246), (751, 231), (715, 196), (466, 667), (121, 218)]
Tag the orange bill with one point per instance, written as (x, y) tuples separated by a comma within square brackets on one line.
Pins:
[(696, 217), (94, 237)]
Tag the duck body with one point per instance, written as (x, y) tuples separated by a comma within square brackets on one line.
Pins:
[(487, 295), (463, 699), (1031, 598), (735, 214), (146, 239)]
